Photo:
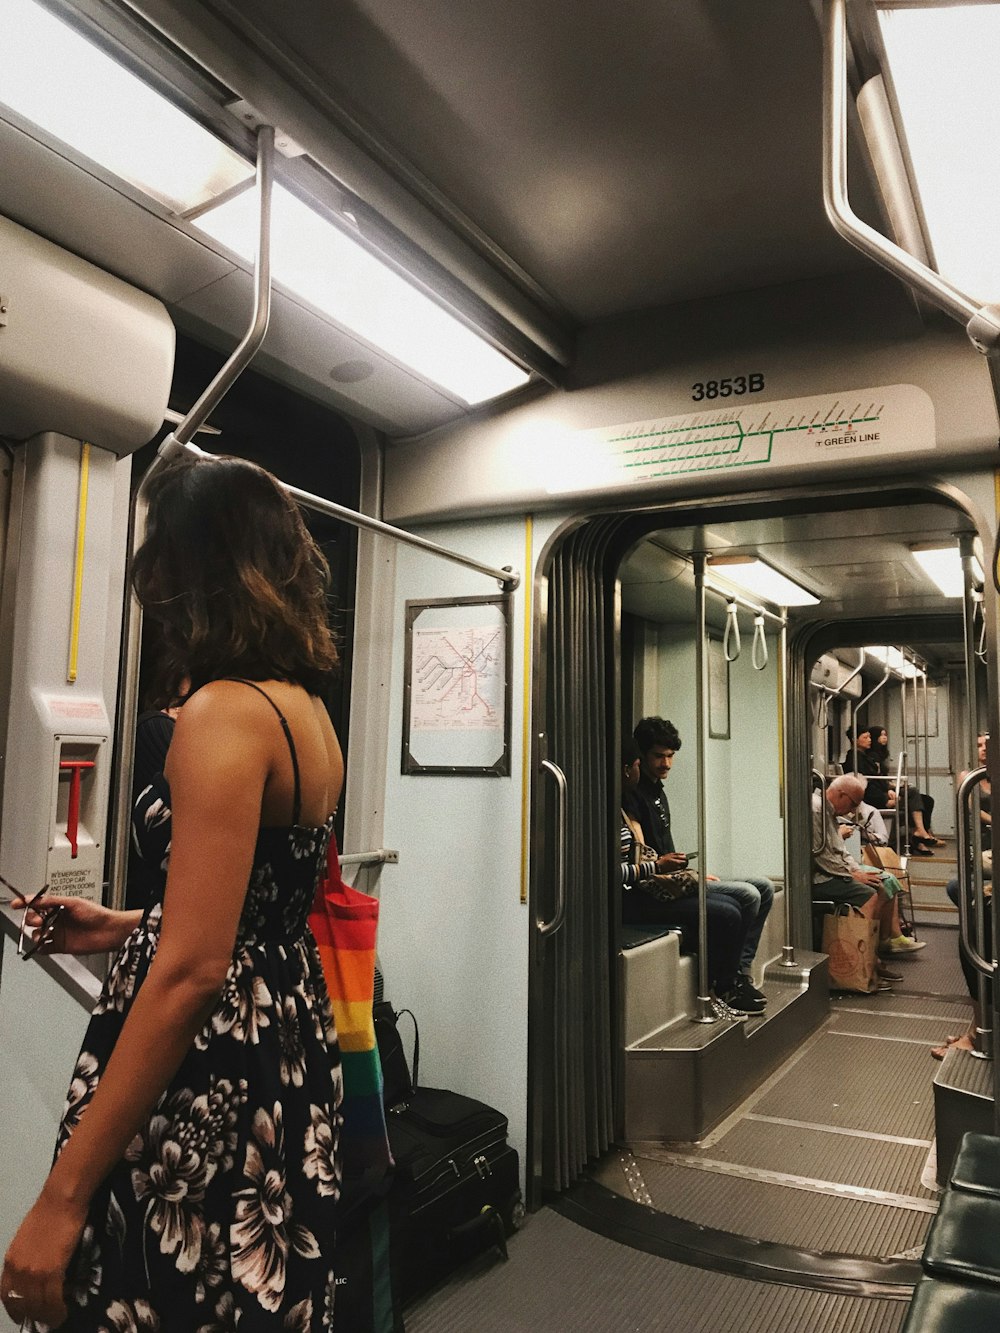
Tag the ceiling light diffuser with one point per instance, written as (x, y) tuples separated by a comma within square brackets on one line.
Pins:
[(53, 77), (943, 63), (330, 270), (943, 566), (895, 661), (760, 580)]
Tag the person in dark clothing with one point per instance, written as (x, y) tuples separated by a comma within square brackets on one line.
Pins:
[(869, 756), (153, 733), (726, 932), (658, 741)]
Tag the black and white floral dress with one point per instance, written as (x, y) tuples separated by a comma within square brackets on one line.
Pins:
[(222, 1214)]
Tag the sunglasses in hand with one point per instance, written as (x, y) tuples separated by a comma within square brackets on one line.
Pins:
[(28, 945)]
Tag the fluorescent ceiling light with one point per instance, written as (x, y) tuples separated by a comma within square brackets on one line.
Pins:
[(761, 580), (331, 271), (944, 68), (55, 78), (895, 661), (943, 566)]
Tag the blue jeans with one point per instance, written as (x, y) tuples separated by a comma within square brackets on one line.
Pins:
[(754, 897)]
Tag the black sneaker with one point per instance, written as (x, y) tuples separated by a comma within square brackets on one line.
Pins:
[(744, 983), (740, 1000)]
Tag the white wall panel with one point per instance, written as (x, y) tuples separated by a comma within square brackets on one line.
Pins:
[(453, 933)]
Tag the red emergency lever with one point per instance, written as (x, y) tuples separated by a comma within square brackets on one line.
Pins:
[(75, 767)]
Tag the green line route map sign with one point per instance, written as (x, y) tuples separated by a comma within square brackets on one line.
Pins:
[(853, 424)]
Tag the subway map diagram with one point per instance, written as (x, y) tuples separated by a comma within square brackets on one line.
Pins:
[(457, 679), (897, 417)]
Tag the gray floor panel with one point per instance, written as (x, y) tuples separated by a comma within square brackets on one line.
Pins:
[(886, 1090), (929, 1031), (565, 1278), (929, 975), (926, 1006), (866, 1162), (802, 1218)]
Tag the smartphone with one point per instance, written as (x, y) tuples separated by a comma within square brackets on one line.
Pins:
[(690, 855)]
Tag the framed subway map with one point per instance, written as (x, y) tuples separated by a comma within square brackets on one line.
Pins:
[(456, 705)]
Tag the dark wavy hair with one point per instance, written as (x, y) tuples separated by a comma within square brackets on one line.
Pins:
[(656, 731), (232, 580)]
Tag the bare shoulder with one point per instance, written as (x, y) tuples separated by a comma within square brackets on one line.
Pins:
[(221, 703)]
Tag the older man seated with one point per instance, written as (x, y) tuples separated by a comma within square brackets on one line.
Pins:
[(837, 876)]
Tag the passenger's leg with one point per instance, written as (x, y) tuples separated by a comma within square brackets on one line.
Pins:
[(765, 891), (725, 932), (725, 942), (967, 1040), (744, 895), (921, 809)]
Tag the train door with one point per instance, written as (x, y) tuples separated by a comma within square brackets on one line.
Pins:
[(575, 1063)]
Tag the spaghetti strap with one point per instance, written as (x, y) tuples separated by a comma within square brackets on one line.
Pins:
[(297, 796)]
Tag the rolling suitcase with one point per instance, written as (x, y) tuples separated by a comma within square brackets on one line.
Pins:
[(456, 1186)]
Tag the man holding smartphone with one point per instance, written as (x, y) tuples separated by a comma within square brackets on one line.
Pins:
[(658, 741)]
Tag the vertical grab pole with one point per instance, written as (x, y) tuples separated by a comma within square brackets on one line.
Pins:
[(788, 948), (968, 861), (128, 673), (926, 722), (703, 1012), (972, 883)]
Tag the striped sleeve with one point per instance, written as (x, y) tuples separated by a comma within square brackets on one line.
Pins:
[(631, 873)]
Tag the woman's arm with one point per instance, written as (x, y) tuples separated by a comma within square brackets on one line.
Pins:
[(82, 927), (218, 764)]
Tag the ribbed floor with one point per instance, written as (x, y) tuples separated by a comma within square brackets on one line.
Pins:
[(810, 1219), (814, 1153), (826, 1157), (564, 1278)]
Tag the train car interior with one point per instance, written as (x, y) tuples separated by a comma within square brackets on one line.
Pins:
[(628, 362)]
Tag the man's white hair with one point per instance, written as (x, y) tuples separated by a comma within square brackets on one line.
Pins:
[(851, 785)]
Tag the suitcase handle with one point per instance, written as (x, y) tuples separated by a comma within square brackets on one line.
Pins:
[(488, 1219)]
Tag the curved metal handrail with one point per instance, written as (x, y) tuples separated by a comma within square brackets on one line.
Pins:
[(548, 928), (962, 801), (175, 442), (982, 322)]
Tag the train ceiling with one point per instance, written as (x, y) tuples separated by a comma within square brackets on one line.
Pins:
[(858, 562), (560, 164)]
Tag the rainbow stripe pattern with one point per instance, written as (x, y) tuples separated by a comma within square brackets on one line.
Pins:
[(344, 923)]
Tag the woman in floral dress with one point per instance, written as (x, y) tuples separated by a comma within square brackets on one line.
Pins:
[(196, 1173)]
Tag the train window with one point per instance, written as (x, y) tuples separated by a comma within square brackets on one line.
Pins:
[(940, 60)]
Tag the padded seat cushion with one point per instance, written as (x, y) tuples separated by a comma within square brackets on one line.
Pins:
[(632, 936), (950, 1307), (977, 1165), (962, 1241)]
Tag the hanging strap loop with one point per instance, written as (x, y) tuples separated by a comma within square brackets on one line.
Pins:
[(758, 653), (732, 635), (980, 611)]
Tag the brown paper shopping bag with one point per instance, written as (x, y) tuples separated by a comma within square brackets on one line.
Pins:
[(851, 940)]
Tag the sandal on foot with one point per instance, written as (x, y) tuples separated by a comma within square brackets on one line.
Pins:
[(939, 1052)]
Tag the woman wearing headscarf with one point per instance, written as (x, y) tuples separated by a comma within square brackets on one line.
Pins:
[(869, 756)]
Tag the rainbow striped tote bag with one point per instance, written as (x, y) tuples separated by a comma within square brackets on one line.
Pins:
[(344, 923)]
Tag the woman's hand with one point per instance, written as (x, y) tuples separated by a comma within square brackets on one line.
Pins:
[(34, 1270), (671, 861), (81, 927)]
